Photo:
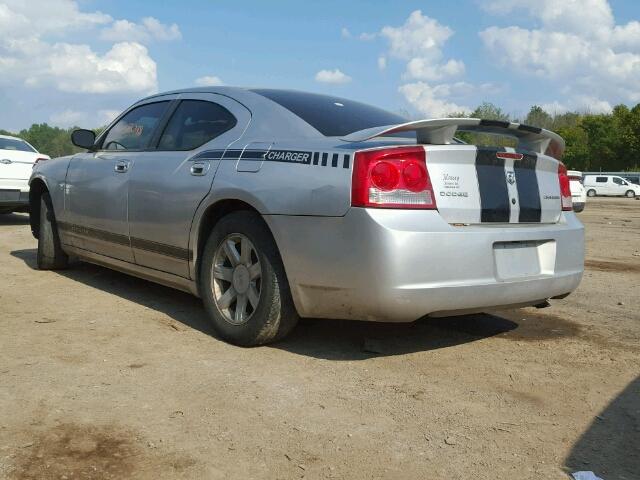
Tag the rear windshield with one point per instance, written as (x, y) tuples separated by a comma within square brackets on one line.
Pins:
[(15, 144), (332, 116)]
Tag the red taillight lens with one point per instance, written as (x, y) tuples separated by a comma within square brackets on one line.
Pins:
[(565, 188), (392, 178), (385, 175)]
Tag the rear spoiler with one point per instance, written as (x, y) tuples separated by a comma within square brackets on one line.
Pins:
[(441, 131)]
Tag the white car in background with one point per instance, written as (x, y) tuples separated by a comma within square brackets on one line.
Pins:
[(578, 192), (611, 185), (17, 158)]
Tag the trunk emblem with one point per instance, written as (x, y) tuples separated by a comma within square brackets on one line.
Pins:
[(509, 155), (511, 178), (5, 161)]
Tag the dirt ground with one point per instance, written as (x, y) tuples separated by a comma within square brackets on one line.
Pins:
[(107, 376)]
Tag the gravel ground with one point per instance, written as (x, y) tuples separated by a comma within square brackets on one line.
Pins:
[(104, 376)]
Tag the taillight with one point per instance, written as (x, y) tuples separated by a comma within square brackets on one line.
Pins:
[(565, 188), (392, 178)]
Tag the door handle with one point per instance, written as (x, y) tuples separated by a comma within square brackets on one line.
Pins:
[(122, 166), (199, 169)]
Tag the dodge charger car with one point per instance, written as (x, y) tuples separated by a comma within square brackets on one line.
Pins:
[(272, 205)]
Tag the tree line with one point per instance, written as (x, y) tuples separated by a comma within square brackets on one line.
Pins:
[(595, 142)]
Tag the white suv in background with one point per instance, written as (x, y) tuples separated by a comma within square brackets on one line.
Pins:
[(610, 185), (578, 192), (17, 158)]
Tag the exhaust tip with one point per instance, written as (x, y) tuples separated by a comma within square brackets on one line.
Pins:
[(544, 304)]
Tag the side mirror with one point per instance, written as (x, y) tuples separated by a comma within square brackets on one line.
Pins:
[(83, 138)]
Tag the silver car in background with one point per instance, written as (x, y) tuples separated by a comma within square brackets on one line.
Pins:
[(272, 205)]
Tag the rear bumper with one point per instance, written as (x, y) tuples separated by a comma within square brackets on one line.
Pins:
[(395, 265)]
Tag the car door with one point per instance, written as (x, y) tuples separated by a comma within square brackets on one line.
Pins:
[(97, 185), (602, 185), (619, 186), (168, 183)]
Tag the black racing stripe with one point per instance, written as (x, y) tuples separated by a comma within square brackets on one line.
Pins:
[(492, 183), (139, 243), (160, 248), (528, 191), (494, 123), (209, 155), (325, 155), (529, 128), (253, 155), (316, 157), (346, 161), (94, 233), (334, 160)]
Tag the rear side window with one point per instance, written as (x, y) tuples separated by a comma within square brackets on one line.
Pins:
[(15, 144), (135, 129), (194, 123), (601, 179), (332, 116)]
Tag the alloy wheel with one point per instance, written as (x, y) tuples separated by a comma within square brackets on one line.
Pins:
[(236, 278)]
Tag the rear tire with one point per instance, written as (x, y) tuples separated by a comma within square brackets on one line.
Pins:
[(591, 193), (243, 283), (630, 194), (50, 254), (578, 209)]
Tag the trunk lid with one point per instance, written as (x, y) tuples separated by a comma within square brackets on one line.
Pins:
[(478, 185)]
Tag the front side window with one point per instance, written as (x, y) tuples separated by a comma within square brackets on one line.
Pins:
[(601, 179), (194, 123), (618, 181), (15, 144), (135, 129)]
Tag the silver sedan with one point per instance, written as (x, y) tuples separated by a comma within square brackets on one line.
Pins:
[(272, 205)]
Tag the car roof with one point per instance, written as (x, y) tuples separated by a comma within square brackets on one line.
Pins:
[(13, 138)]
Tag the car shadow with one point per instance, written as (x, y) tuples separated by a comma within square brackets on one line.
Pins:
[(610, 447), (11, 219), (323, 338)]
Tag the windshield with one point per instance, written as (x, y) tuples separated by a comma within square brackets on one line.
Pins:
[(332, 116), (15, 144)]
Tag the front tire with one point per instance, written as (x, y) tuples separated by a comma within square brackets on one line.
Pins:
[(243, 283), (50, 254), (591, 193), (630, 194)]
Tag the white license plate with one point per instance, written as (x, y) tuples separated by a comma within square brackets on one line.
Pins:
[(9, 195), (524, 259)]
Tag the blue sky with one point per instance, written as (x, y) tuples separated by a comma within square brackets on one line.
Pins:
[(71, 62)]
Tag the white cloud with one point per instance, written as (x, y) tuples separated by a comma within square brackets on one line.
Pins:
[(74, 118), (345, 33), (30, 58), (21, 19), (419, 42), (420, 68), (420, 36), (434, 101), (147, 30), (578, 49), (332, 76), (382, 62), (431, 101), (209, 81), (367, 37)]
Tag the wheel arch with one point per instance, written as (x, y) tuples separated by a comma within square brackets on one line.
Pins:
[(207, 221), (36, 188)]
